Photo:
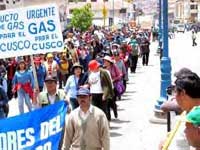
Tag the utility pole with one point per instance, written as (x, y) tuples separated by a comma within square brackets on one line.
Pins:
[(113, 12)]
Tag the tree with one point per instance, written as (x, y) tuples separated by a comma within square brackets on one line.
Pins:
[(82, 17)]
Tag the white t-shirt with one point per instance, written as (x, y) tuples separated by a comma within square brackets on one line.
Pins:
[(95, 83)]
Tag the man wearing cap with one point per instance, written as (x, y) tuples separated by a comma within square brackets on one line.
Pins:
[(52, 94), (86, 127), (192, 130)]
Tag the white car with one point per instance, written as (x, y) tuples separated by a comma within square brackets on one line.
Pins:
[(180, 28)]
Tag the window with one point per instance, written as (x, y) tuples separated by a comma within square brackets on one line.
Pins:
[(193, 7)]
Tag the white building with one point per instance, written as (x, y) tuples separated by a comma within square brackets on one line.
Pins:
[(113, 7), (188, 10), (115, 13)]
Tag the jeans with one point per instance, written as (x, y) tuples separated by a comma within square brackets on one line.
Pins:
[(22, 96), (74, 103)]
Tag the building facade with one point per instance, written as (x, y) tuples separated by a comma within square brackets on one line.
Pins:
[(187, 11), (117, 10)]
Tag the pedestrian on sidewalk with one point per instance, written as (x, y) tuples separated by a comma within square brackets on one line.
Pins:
[(144, 51), (134, 53), (100, 85), (194, 39), (87, 126), (74, 83), (116, 76)]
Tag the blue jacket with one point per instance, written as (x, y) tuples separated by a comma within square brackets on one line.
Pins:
[(22, 78)]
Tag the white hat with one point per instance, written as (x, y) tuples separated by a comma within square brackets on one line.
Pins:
[(108, 58)]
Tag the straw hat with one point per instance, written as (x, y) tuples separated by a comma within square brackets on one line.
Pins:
[(76, 65), (108, 58)]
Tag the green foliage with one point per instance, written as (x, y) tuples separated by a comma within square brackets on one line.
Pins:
[(82, 18)]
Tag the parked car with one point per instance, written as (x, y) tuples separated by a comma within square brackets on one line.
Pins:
[(180, 28)]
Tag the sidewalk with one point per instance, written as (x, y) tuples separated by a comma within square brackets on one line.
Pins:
[(133, 130)]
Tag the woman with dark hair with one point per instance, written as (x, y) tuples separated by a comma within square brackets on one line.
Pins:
[(73, 83), (97, 47), (23, 84)]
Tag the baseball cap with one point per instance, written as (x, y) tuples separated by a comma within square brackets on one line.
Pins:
[(83, 91), (50, 78), (93, 65)]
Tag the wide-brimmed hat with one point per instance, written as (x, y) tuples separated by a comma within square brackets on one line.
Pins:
[(108, 58), (76, 65), (93, 65)]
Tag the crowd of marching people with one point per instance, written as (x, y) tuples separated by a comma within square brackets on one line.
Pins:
[(97, 59)]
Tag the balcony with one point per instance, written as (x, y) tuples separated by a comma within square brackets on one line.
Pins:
[(193, 11)]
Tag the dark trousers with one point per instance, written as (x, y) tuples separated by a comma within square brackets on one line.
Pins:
[(9, 91), (133, 63), (112, 104), (145, 58), (194, 42), (98, 102)]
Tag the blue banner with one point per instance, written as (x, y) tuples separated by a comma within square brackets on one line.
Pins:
[(38, 130)]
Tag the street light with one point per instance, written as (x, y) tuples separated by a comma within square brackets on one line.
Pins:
[(165, 65)]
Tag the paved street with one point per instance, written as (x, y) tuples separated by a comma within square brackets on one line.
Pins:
[(132, 130)]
